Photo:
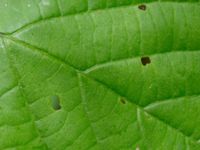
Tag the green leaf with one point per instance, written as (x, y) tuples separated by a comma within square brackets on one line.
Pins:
[(100, 75)]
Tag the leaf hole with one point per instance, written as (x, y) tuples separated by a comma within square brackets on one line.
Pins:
[(145, 60), (55, 102), (142, 7), (137, 148)]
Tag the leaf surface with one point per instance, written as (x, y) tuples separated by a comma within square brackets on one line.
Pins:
[(73, 76)]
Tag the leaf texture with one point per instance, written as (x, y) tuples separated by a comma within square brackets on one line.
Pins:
[(72, 76)]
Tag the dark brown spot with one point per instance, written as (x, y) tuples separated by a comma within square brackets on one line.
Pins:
[(122, 100), (145, 60), (142, 7), (55, 102)]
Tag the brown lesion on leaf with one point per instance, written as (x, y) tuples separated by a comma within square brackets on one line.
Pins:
[(123, 100), (142, 7), (145, 60)]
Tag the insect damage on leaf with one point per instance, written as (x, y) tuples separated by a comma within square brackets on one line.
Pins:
[(142, 7), (55, 102), (137, 148), (145, 60), (81, 75), (122, 100)]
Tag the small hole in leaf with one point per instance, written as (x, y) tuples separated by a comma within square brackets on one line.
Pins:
[(137, 148), (145, 60), (123, 101), (142, 7), (55, 102)]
